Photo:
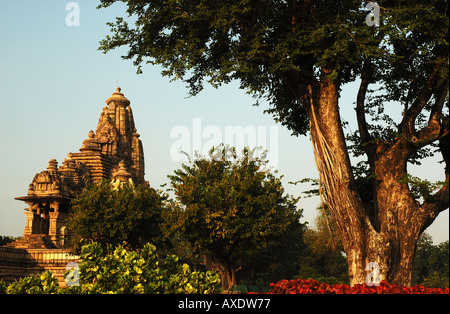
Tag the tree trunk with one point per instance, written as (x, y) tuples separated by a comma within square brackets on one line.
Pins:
[(399, 218), (379, 240), (227, 275), (336, 177)]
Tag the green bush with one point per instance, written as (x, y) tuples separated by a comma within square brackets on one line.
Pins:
[(116, 270), (3, 287), (44, 283)]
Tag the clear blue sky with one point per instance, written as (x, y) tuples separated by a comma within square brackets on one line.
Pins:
[(54, 83)]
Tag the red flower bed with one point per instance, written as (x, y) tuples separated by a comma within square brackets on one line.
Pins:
[(311, 286)]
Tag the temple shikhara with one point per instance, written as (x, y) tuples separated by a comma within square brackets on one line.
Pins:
[(113, 152)]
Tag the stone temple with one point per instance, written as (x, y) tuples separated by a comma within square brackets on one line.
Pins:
[(113, 152)]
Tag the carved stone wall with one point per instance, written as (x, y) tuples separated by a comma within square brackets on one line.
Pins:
[(19, 263)]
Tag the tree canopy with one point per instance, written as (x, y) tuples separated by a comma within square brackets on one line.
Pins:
[(129, 215), (278, 48), (431, 263), (233, 211), (298, 55)]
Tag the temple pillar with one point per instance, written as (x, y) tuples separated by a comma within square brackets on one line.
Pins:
[(29, 224), (57, 221)]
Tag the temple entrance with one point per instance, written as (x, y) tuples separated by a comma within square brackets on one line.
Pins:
[(40, 225), (38, 218)]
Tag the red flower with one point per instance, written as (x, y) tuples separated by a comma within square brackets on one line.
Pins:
[(311, 286)]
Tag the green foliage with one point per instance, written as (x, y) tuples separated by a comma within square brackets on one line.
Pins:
[(232, 209), (3, 287), (277, 261), (431, 263), (422, 188), (436, 280), (44, 283), (7, 239), (130, 214), (277, 48), (323, 258), (118, 271), (312, 183), (298, 55)]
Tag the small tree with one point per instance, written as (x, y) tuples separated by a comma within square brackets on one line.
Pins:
[(233, 209), (7, 239), (323, 258), (431, 263), (129, 214)]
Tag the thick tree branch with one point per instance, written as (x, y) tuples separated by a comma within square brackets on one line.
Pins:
[(434, 129), (439, 104), (407, 125), (440, 200), (360, 109)]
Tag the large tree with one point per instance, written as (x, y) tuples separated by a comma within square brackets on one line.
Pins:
[(298, 55)]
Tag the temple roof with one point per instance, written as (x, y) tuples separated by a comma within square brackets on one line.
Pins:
[(118, 98), (42, 198), (114, 151)]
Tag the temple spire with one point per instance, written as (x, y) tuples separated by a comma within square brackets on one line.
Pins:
[(118, 99), (113, 152)]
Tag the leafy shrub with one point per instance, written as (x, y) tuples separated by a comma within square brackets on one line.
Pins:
[(3, 287), (115, 270), (44, 283), (311, 286)]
